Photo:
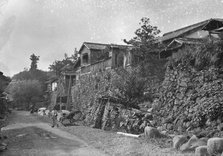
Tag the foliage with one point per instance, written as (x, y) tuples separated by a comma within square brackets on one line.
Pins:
[(25, 91), (39, 75), (199, 56), (195, 80), (130, 88), (3, 108), (145, 41), (148, 68), (58, 65), (4, 81), (33, 73), (34, 60)]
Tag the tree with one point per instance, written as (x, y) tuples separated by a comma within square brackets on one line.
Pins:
[(145, 40), (146, 48), (25, 92), (4, 81), (150, 69), (34, 60), (130, 88), (33, 73), (39, 75), (58, 65)]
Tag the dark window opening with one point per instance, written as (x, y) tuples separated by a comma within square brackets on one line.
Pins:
[(62, 99), (73, 80), (85, 59), (63, 107), (119, 60), (136, 60)]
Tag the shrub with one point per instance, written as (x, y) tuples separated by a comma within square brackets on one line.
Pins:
[(199, 56)]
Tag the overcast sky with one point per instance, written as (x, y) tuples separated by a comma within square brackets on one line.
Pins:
[(50, 28)]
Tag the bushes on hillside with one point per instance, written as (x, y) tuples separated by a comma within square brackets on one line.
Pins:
[(25, 92)]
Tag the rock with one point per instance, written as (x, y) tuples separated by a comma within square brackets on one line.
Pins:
[(160, 128), (150, 110), (169, 126), (164, 132), (148, 116), (193, 143), (201, 151), (220, 127), (215, 146), (3, 146), (199, 142), (168, 120), (187, 146), (179, 140), (151, 132)]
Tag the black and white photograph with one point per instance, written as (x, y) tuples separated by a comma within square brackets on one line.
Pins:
[(111, 77)]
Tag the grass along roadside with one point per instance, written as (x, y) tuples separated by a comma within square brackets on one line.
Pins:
[(114, 144)]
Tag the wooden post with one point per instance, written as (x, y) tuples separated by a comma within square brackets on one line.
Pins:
[(68, 93)]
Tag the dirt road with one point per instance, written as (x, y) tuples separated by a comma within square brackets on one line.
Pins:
[(28, 136), (32, 135)]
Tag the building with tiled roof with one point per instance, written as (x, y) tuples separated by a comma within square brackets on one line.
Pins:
[(192, 34)]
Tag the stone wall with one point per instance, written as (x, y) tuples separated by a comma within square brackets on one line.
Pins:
[(190, 99), (89, 92), (90, 87), (88, 97)]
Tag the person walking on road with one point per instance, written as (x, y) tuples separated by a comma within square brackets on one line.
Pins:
[(54, 118)]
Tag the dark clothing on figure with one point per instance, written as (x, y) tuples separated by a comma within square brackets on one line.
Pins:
[(54, 118)]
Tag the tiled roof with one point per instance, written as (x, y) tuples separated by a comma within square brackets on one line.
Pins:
[(178, 42), (189, 40), (101, 46), (217, 31), (96, 46), (180, 32)]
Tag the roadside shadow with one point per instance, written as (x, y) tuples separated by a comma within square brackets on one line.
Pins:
[(70, 124)]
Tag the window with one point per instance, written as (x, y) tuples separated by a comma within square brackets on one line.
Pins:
[(120, 60), (54, 86), (73, 80), (85, 59)]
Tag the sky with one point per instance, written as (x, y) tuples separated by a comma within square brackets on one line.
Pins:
[(50, 28)]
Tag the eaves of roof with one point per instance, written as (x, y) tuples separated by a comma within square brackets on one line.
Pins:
[(101, 46), (191, 28)]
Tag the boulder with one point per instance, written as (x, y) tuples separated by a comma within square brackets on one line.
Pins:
[(193, 143), (151, 132), (187, 146), (3, 147), (201, 151), (215, 146), (199, 142), (179, 140)]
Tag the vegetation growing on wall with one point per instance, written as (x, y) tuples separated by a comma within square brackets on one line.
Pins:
[(58, 65), (130, 88), (199, 57), (148, 69), (191, 94)]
